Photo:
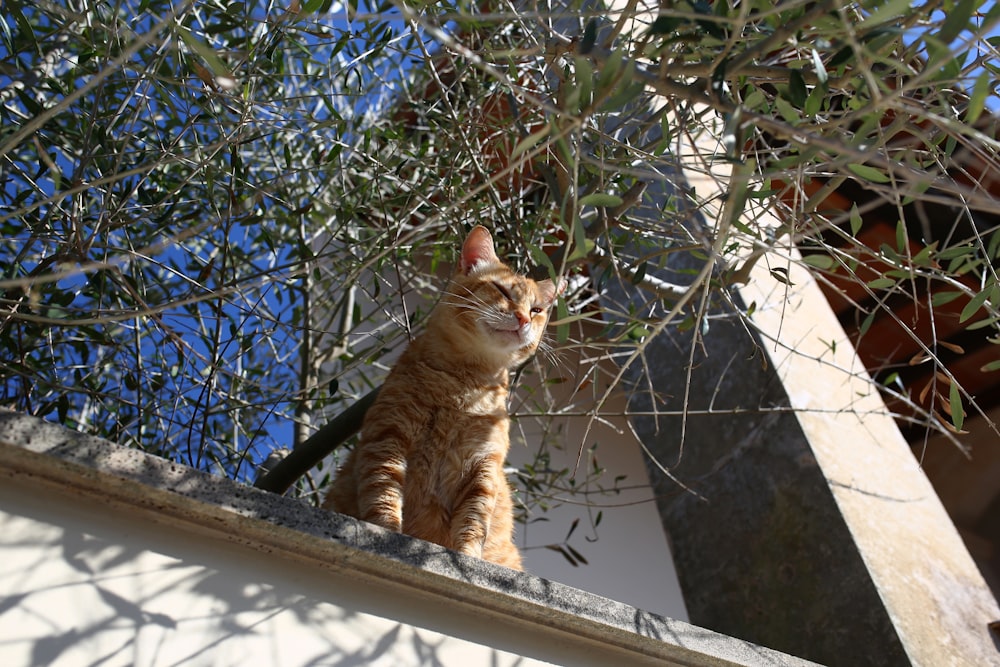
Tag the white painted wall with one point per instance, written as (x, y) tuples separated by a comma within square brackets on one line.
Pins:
[(629, 559), (109, 556), (82, 584)]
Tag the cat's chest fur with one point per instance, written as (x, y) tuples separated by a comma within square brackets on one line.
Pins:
[(465, 424)]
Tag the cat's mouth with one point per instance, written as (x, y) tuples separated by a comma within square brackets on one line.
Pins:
[(518, 336), (514, 333)]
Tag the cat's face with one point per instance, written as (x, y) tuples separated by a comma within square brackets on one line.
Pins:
[(502, 314)]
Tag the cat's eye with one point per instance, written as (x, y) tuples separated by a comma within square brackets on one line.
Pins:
[(535, 310), (503, 290)]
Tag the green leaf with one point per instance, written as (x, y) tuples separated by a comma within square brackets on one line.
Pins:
[(62, 406), (868, 173), (584, 81), (589, 36), (564, 151), (974, 304), (762, 194), (957, 411), (640, 273), (665, 24), (983, 323), (814, 103), (24, 27), (925, 256), (530, 141), (29, 102), (572, 529), (957, 20), (624, 94), (581, 251), (881, 283), (797, 92), (576, 554), (601, 199), (821, 74), (956, 252), (842, 57), (977, 101), (731, 134), (609, 73), (889, 254), (898, 274), (893, 10), (579, 234), (756, 100), (557, 548), (819, 261), (993, 246), (789, 113), (991, 366), (206, 52), (780, 274), (541, 259), (942, 298), (638, 332), (855, 219), (312, 6), (562, 330), (867, 323)]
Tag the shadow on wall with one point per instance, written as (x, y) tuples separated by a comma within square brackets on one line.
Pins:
[(84, 586), (113, 556)]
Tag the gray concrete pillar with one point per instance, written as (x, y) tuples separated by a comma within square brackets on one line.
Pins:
[(814, 531)]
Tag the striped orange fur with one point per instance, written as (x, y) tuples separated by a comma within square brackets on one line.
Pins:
[(430, 458)]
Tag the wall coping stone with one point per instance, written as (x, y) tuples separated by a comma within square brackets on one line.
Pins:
[(298, 534)]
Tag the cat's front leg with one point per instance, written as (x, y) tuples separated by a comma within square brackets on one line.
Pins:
[(381, 475), (470, 524)]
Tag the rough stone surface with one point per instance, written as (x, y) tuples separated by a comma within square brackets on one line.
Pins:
[(763, 553), (295, 532)]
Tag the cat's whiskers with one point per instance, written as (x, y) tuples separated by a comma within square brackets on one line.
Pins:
[(472, 302), (489, 314), (484, 313), (478, 307), (553, 356)]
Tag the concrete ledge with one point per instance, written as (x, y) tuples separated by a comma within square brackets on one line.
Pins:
[(53, 458)]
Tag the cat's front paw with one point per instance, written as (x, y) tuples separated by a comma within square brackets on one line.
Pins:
[(471, 549), (389, 522)]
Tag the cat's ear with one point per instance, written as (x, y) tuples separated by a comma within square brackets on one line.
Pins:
[(549, 290), (478, 250)]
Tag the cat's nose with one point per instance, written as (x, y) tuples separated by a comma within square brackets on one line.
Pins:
[(522, 319)]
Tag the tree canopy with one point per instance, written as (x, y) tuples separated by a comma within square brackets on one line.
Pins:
[(210, 209)]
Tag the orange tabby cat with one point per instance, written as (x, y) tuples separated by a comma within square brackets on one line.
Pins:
[(430, 458)]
